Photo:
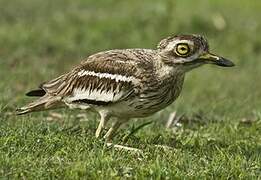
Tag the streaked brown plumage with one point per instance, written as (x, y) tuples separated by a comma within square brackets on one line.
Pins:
[(126, 83)]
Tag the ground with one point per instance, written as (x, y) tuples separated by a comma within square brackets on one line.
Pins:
[(219, 134)]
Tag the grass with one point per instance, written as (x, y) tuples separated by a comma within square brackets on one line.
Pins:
[(220, 135)]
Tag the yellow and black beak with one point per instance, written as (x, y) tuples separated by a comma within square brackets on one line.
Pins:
[(214, 59)]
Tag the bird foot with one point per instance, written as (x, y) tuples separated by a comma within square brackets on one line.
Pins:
[(120, 147)]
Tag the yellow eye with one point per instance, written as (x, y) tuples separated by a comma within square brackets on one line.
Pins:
[(182, 49)]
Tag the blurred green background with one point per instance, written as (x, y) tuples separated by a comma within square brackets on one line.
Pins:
[(40, 40)]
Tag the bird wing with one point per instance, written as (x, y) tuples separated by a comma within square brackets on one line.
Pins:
[(101, 79)]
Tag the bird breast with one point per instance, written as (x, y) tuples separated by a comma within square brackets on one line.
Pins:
[(152, 97)]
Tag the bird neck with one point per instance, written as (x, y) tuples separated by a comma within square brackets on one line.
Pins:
[(164, 70)]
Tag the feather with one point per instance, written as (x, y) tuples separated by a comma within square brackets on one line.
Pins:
[(37, 92), (103, 77), (43, 103)]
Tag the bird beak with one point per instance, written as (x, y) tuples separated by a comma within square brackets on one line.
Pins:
[(214, 59)]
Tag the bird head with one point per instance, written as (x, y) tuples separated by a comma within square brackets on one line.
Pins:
[(189, 51)]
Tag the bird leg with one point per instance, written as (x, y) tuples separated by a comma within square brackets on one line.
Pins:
[(110, 133), (103, 121)]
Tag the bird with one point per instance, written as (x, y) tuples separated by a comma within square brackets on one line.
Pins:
[(123, 84)]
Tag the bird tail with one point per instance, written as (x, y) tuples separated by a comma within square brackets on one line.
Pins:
[(37, 92), (41, 104)]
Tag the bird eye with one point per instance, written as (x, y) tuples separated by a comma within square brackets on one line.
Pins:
[(182, 49)]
